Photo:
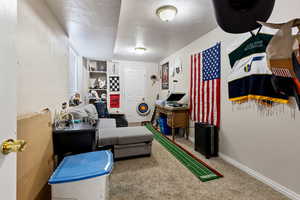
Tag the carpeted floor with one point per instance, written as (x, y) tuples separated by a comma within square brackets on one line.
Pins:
[(162, 177)]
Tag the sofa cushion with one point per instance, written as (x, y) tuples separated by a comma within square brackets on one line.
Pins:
[(125, 135), (107, 137), (131, 135)]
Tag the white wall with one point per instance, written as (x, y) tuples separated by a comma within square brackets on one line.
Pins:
[(42, 48), (73, 72), (268, 145), (150, 90), (84, 80)]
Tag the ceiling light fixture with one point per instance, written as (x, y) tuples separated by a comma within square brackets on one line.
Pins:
[(166, 13), (140, 50)]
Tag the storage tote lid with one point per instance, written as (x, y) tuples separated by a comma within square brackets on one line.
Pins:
[(83, 166)]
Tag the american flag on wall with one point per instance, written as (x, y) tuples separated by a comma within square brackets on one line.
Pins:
[(205, 86)]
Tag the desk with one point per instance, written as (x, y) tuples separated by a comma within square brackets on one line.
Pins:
[(77, 138), (178, 117)]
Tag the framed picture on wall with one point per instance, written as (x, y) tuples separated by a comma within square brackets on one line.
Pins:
[(165, 76)]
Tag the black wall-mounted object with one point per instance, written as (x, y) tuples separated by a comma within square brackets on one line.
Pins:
[(206, 140), (240, 16)]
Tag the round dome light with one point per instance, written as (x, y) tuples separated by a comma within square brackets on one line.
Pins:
[(140, 50), (166, 13)]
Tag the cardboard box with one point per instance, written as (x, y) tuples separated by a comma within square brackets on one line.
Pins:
[(35, 164)]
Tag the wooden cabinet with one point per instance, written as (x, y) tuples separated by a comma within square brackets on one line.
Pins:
[(177, 117)]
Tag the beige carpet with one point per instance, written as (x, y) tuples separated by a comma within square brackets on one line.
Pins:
[(162, 177)]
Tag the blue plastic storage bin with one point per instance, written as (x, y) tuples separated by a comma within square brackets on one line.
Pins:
[(163, 125), (83, 176)]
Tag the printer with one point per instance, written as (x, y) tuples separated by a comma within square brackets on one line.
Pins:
[(172, 100)]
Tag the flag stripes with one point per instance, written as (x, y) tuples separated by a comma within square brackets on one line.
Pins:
[(199, 78), (205, 86)]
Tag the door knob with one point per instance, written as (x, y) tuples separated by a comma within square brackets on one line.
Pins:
[(11, 145)]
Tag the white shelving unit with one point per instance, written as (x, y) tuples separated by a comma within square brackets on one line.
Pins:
[(102, 70), (98, 80)]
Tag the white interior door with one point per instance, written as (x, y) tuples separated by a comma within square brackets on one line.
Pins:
[(8, 77), (134, 92)]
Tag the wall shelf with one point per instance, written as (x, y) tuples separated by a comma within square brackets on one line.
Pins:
[(98, 72), (97, 89)]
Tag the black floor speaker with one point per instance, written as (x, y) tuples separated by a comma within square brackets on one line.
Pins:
[(206, 140)]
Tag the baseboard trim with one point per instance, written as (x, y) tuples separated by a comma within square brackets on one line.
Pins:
[(192, 139), (276, 186)]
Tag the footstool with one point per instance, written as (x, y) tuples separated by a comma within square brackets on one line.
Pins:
[(127, 141)]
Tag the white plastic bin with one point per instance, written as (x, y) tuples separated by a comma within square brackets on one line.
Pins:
[(83, 177)]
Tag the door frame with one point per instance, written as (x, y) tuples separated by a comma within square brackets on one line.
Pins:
[(8, 95)]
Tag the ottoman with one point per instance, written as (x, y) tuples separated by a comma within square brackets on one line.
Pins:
[(127, 141)]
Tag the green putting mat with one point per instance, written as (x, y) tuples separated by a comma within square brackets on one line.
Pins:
[(197, 168)]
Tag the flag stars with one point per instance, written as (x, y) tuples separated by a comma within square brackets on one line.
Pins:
[(211, 63)]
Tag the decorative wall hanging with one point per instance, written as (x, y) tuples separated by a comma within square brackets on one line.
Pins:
[(250, 78), (280, 48), (153, 79), (282, 58), (255, 77), (114, 68), (143, 109), (114, 83), (240, 16), (296, 64), (275, 110), (114, 100), (205, 86), (173, 72), (178, 65), (165, 76)]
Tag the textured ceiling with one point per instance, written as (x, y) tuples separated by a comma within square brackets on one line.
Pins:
[(90, 24), (109, 29)]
